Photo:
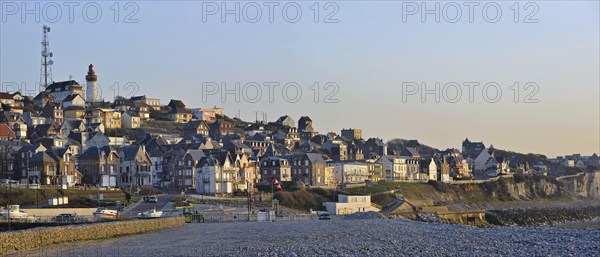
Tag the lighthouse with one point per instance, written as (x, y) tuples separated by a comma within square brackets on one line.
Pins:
[(91, 90)]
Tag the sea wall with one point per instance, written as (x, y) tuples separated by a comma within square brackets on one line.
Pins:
[(41, 237)]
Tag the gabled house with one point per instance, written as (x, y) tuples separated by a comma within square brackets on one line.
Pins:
[(186, 169), (444, 171), (249, 172), (99, 166), (53, 113), (32, 119), (429, 168), (141, 109), (23, 157), (72, 126), (471, 149), (350, 172), (374, 147), (45, 130), (236, 147), (355, 152), (178, 112), (207, 114), (7, 99), (74, 113), (67, 172), (129, 120), (110, 118), (134, 167), (41, 169), (73, 100), (15, 122), (276, 167), (220, 128), (97, 139), (217, 174), (337, 149), (286, 121), (376, 170), (305, 128), (496, 166), (309, 168), (287, 136), (61, 90), (196, 127), (154, 103)]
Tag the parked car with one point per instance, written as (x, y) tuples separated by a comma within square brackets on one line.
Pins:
[(66, 217), (150, 214), (151, 199), (324, 216)]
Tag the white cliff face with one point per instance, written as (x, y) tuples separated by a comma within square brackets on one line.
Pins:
[(543, 188), (583, 185)]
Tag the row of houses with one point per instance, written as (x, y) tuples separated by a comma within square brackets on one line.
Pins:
[(58, 139)]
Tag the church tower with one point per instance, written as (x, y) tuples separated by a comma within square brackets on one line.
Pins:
[(91, 90)]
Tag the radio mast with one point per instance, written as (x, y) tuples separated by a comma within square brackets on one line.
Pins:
[(46, 69)]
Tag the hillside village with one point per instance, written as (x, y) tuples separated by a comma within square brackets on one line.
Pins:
[(64, 136)]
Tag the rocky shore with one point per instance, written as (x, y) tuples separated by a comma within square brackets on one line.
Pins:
[(341, 237), (542, 216)]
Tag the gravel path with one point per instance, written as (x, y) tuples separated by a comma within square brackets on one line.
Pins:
[(341, 237)]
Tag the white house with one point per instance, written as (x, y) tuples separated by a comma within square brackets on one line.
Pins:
[(61, 90), (430, 169), (348, 204), (216, 175), (396, 168), (207, 114), (130, 121), (73, 100), (350, 172)]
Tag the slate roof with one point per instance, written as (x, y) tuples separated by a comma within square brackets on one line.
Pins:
[(61, 86), (315, 157), (71, 97)]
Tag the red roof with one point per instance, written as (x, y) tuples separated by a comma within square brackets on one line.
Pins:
[(5, 131), (4, 95)]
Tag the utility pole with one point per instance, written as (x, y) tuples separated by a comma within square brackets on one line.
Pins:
[(9, 202), (249, 201), (27, 167)]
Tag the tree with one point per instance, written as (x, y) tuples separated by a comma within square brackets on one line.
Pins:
[(127, 196)]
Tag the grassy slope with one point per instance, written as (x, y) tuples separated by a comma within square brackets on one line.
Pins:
[(29, 196)]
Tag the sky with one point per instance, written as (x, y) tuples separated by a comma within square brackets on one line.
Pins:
[(533, 70)]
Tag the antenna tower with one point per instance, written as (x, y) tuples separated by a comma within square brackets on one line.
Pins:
[(46, 70)]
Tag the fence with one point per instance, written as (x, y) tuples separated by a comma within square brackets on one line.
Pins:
[(215, 217)]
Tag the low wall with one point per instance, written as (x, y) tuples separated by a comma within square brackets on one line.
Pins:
[(41, 237), (43, 212)]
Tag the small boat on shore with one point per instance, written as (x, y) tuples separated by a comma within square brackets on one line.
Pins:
[(150, 214), (14, 212), (103, 213)]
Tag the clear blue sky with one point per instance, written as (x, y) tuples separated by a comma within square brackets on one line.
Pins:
[(369, 53)]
